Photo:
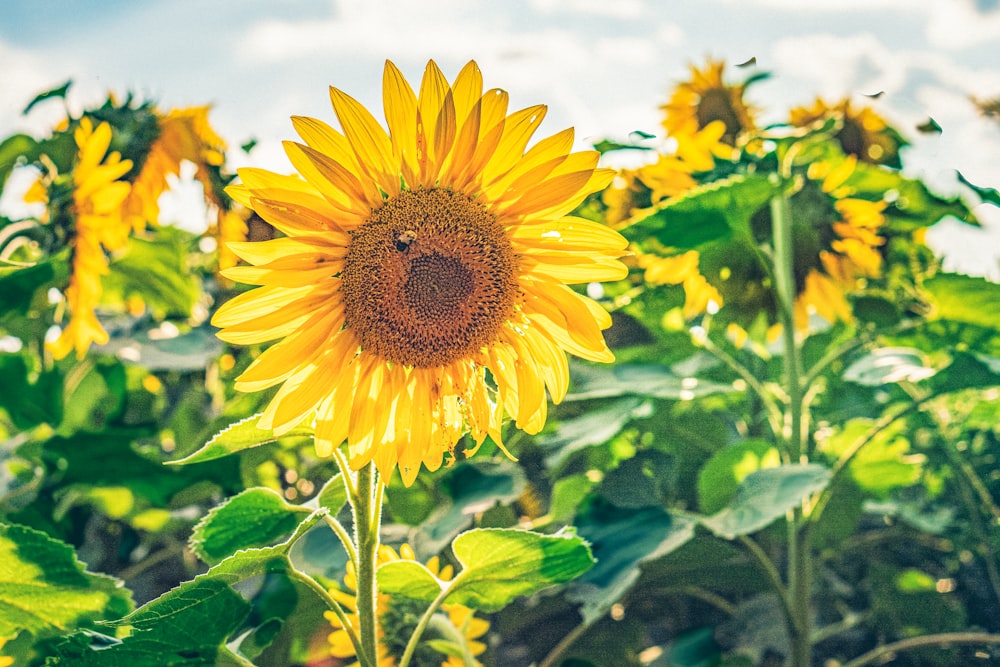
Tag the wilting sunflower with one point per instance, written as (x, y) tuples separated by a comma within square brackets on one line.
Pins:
[(398, 618), (98, 227), (421, 290), (704, 99), (862, 133)]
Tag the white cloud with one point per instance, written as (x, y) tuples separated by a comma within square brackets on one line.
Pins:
[(621, 9), (835, 66)]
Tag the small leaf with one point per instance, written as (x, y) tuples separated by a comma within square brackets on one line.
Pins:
[(12, 149), (409, 579), (889, 365), (722, 474), (929, 126), (254, 518), (989, 195), (591, 428), (652, 380), (237, 437), (45, 590), (766, 495), (333, 495), (59, 91)]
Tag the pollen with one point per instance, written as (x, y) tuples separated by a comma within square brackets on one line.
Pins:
[(429, 278)]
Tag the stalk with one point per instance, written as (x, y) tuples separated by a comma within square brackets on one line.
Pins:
[(366, 532), (799, 558)]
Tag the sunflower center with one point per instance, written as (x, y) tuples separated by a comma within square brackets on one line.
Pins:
[(429, 278)]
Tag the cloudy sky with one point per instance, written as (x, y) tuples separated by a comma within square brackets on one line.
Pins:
[(602, 66)]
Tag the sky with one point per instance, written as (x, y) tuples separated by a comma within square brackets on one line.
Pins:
[(602, 66)]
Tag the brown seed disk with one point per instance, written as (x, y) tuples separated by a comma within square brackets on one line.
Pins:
[(429, 278)]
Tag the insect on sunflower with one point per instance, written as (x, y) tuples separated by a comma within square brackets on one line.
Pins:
[(420, 291)]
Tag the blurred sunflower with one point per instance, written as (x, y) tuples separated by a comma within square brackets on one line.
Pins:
[(183, 135), (399, 617), (421, 290), (706, 99), (98, 195), (862, 133)]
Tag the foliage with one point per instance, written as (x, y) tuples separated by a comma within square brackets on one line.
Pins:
[(794, 457)]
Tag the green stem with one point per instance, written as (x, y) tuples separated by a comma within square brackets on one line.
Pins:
[(774, 577), (411, 645), (799, 557), (331, 604), (774, 417), (942, 639), (366, 532)]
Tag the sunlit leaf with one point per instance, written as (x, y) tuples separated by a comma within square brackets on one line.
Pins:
[(254, 518), (965, 299), (722, 474), (497, 566), (650, 380), (45, 590), (237, 437), (594, 427), (705, 214), (766, 495), (11, 149), (188, 351), (157, 270)]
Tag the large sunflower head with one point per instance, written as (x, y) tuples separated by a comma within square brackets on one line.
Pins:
[(706, 98), (421, 290), (455, 624), (862, 132)]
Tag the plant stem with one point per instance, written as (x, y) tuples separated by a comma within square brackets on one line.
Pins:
[(774, 577), (799, 557), (331, 604), (773, 411), (366, 533), (942, 639), (411, 645)]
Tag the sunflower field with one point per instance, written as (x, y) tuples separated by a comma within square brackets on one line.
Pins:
[(447, 390)]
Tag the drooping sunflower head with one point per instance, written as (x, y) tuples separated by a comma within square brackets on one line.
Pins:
[(420, 291), (706, 98), (862, 133), (455, 624)]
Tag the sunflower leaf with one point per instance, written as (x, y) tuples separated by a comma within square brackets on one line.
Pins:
[(237, 437), (766, 495), (254, 518), (705, 214), (965, 299), (499, 565), (45, 590), (408, 579)]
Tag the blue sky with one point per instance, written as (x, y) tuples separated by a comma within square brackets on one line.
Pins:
[(602, 66)]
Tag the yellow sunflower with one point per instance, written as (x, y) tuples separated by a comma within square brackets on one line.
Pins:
[(421, 289), (398, 618), (704, 99), (99, 227), (863, 133)]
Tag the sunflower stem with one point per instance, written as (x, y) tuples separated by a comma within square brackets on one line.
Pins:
[(366, 532), (414, 641), (799, 561)]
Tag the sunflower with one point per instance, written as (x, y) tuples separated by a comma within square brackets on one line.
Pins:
[(421, 289), (99, 227), (398, 617), (705, 99), (862, 133)]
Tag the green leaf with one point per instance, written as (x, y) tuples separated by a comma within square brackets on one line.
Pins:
[(189, 351), (652, 380), (885, 463), (11, 150), (333, 495), (622, 539), (889, 365), (913, 206), (409, 579), (45, 590), (705, 214), (29, 403), (499, 565), (59, 91), (696, 648), (594, 427), (722, 474), (766, 495), (965, 299), (967, 371), (254, 518), (18, 285), (989, 195), (157, 269), (237, 437)]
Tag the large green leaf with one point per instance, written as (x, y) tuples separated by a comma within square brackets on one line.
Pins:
[(914, 205), (705, 214), (965, 299), (191, 624), (593, 427), (888, 365), (18, 284), (188, 351), (622, 539), (11, 149), (157, 269), (766, 495), (28, 401), (497, 566), (45, 590), (237, 437), (254, 518)]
